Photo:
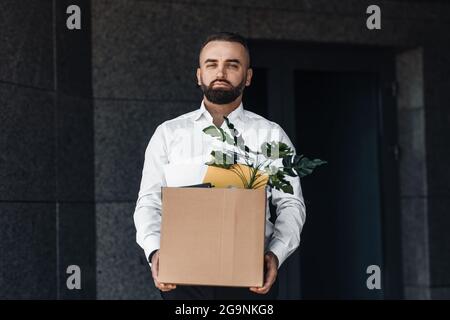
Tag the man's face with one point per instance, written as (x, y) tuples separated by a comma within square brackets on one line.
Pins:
[(223, 71)]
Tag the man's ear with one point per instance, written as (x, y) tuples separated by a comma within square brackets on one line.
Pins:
[(249, 77), (198, 77)]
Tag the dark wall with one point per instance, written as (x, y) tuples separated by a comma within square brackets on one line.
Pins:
[(47, 215), (144, 60), (78, 109)]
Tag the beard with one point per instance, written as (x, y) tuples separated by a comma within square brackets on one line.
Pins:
[(223, 95)]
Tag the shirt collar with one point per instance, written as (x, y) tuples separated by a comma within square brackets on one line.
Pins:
[(237, 113)]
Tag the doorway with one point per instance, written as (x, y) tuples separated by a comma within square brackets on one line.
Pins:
[(337, 103)]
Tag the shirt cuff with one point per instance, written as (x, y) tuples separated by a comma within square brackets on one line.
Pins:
[(279, 249), (151, 256), (151, 244)]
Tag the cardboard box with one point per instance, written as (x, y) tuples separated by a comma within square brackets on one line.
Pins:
[(212, 236)]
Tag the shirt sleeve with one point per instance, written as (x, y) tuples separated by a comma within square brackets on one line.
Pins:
[(147, 213), (291, 215)]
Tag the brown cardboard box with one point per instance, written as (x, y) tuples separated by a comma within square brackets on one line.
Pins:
[(212, 236)]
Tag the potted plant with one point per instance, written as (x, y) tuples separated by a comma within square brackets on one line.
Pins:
[(275, 159)]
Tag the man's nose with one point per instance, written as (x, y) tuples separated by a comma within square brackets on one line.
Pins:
[(221, 73)]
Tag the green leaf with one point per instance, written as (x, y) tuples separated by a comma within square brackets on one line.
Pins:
[(284, 150), (278, 182), (218, 133), (287, 188), (305, 166), (226, 137), (290, 161), (229, 124), (274, 150), (237, 137), (213, 131), (289, 172)]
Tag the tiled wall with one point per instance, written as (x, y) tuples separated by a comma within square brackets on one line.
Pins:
[(78, 109)]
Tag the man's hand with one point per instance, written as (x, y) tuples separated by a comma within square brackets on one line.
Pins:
[(270, 273), (155, 268)]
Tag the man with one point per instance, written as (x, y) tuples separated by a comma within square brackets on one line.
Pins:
[(223, 73)]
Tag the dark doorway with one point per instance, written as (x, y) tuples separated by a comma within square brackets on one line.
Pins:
[(338, 120), (337, 103)]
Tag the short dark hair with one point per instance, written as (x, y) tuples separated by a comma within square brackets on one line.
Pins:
[(227, 36)]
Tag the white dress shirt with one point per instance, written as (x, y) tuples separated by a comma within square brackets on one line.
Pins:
[(181, 140)]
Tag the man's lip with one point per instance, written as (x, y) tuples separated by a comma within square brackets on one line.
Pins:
[(221, 83)]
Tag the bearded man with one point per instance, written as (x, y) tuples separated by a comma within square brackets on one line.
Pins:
[(223, 73)]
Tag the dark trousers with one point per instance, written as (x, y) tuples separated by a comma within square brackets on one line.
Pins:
[(183, 292)]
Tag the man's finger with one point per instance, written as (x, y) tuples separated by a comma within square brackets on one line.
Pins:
[(271, 275), (164, 289), (266, 286), (260, 290), (154, 274), (166, 286), (155, 268), (269, 278), (157, 263)]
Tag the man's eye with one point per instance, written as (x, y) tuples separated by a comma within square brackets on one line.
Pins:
[(234, 66), (210, 65)]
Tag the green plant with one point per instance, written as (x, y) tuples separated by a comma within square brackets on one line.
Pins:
[(259, 162)]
